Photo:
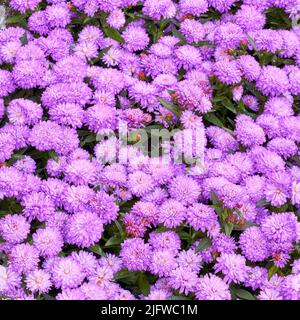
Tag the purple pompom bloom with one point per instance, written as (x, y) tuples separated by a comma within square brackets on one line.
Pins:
[(211, 287), (23, 258), (273, 81), (135, 254), (14, 228), (254, 244), (84, 229), (48, 241)]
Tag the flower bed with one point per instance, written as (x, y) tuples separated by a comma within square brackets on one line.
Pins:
[(150, 150)]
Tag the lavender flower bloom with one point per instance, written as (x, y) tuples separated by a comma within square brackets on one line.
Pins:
[(233, 266), (135, 254), (38, 281), (67, 273), (211, 287), (48, 241), (23, 258), (83, 229), (14, 228)]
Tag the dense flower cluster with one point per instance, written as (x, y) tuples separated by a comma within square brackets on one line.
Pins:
[(77, 221)]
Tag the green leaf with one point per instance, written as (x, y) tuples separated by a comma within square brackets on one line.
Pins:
[(228, 105), (170, 106), (242, 294), (212, 118), (17, 19), (53, 155), (178, 34), (251, 41), (272, 271), (178, 298), (97, 249), (113, 241), (143, 284), (89, 139), (113, 34), (24, 39), (204, 243), (228, 227)]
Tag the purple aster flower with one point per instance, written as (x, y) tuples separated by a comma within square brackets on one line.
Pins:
[(189, 259), (163, 9), (140, 183), (101, 118), (135, 254), (294, 78), (211, 287), (38, 281), (193, 7), (87, 261), (192, 97), (167, 240), (171, 213), (249, 67), (58, 15), (146, 211), (223, 244), (185, 281), (228, 36), (23, 258), (9, 280), (104, 205), (280, 231), (116, 19), (145, 94), (8, 51), (267, 40), (83, 229), (273, 81), (7, 85), (67, 114), (71, 294), (26, 165), (67, 273), (290, 43), (192, 30), (80, 172), (250, 18), (227, 71), (256, 277), (37, 205), (38, 23), (184, 189), (23, 6), (48, 241), (248, 132), (253, 244), (162, 263), (22, 111), (279, 106), (201, 217), (86, 50), (221, 5), (233, 267), (269, 294), (187, 57), (74, 92), (108, 79), (221, 139), (111, 261), (2, 108), (14, 228), (136, 38)]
